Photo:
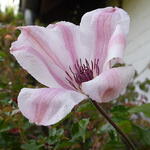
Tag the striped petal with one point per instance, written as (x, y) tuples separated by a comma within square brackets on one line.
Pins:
[(40, 68), (72, 40), (109, 84), (49, 47), (116, 48), (47, 106), (97, 28), (65, 35)]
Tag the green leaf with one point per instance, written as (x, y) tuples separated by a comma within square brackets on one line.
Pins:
[(87, 106), (79, 129), (145, 108), (105, 128), (83, 123), (141, 136), (55, 135), (31, 145), (63, 144), (114, 145), (119, 114), (144, 85), (125, 125)]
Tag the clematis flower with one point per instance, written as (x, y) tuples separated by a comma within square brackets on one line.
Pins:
[(74, 62)]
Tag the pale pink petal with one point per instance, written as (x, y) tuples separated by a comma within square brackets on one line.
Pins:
[(39, 39), (116, 48), (109, 84), (52, 46), (40, 68), (71, 37), (98, 26), (47, 106), (64, 34)]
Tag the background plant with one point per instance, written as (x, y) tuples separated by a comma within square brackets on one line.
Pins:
[(83, 128)]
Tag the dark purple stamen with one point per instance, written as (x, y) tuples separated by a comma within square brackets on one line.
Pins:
[(82, 72)]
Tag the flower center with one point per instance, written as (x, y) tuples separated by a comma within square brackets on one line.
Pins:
[(82, 72)]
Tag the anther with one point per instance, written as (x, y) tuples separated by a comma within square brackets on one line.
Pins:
[(82, 72)]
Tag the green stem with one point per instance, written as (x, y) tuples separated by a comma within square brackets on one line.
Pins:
[(124, 136)]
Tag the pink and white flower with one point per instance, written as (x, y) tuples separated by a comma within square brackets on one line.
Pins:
[(74, 62)]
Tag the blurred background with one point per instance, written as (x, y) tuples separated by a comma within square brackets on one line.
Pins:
[(83, 129)]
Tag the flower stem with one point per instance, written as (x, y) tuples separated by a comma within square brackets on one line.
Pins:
[(124, 136)]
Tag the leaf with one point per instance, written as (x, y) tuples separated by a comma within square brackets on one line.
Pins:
[(125, 125), (144, 86), (105, 128), (4, 126), (119, 114), (63, 144), (55, 135), (31, 145), (142, 136), (79, 129), (114, 145), (83, 123), (87, 106), (145, 108)]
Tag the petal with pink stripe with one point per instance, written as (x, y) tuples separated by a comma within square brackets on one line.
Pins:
[(39, 39), (47, 106), (98, 27), (40, 68), (116, 48), (71, 39), (52, 49), (109, 84), (68, 35)]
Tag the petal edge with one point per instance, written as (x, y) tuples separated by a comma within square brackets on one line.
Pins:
[(47, 106), (108, 85)]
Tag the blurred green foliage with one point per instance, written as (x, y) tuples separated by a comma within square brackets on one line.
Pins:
[(83, 128), (9, 17)]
